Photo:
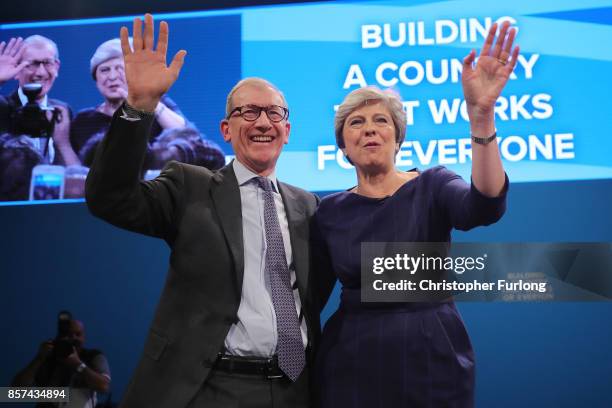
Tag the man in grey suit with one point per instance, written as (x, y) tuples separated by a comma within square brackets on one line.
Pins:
[(237, 319)]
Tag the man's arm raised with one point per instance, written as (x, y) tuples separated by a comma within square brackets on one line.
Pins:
[(113, 189)]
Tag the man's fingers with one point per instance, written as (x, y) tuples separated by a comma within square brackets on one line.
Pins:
[(148, 32), (137, 34), (162, 41), (17, 47), (125, 41), (21, 66), (20, 51), (9, 46), (177, 62)]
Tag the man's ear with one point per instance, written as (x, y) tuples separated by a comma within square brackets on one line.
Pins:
[(225, 132), (288, 127)]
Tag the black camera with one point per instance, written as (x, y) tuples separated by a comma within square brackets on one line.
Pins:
[(64, 345), (31, 119)]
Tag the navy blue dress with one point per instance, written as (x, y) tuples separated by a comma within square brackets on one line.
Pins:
[(395, 354)]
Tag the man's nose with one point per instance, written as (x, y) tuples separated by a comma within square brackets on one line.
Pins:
[(40, 70), (263, 123)]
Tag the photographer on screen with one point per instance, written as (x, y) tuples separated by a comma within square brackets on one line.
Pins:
[(64, 362), (34, 63)]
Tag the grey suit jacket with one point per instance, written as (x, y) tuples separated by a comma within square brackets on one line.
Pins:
[(198, 213)]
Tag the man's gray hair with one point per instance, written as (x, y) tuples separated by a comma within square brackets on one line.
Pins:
[(250, 81), (38, 40), (362, 96)]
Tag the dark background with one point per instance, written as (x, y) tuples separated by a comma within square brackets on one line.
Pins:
[(57, 257), (38, 10)]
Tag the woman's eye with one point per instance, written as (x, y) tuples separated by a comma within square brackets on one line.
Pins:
[(356, 122), (381, 119)]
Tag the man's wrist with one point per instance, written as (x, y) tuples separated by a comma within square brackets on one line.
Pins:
[(143, 105), (136, 113)]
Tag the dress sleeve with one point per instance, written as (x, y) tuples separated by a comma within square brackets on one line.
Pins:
[(462, 203)]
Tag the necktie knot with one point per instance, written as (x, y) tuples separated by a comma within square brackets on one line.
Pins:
[(264, 183)]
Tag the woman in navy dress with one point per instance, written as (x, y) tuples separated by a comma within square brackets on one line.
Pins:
[(404, 354)]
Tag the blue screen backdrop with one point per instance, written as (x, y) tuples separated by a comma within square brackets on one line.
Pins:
[(56, 257)]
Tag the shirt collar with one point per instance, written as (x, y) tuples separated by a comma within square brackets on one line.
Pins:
[(24, 99), (244, 174)]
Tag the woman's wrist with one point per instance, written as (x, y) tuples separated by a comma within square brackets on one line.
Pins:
[(482, 128), (482, 123), (478, 114)]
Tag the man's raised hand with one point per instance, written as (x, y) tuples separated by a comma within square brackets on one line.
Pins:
[(10, 56), (148, 76)]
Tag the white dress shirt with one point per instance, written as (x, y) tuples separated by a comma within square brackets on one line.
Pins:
[(255, 333)]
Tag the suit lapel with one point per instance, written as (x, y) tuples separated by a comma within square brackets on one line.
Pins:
[(299, 247), (226, 197)]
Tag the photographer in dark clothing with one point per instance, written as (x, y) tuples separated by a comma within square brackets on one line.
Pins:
[(64, 362)]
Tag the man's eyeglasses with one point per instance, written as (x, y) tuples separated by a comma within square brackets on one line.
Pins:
[(251, 113), (49, 64)]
